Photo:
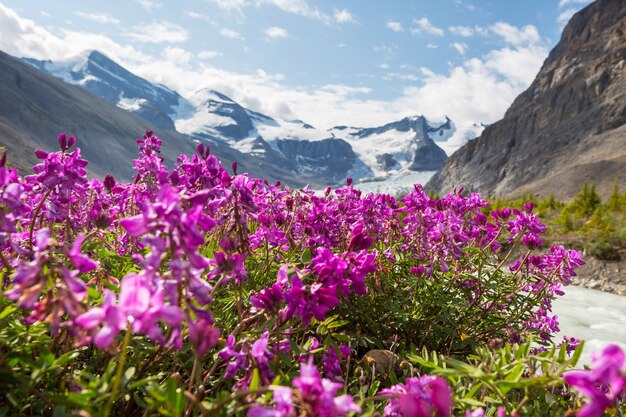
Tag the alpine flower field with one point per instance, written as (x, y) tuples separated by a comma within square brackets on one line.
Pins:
[(194, 290)]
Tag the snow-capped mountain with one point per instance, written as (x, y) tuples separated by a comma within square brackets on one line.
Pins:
[(399, 146), (100, 75), (311, 154)]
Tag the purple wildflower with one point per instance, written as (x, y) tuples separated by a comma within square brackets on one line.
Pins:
[(419, 397), (603, 384)]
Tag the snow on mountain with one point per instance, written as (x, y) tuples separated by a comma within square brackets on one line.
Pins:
[(395, 149), (102, 76), (441, 131), (463, 133)]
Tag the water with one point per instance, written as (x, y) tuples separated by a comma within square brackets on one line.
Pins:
[(397, 185), (597, 317)]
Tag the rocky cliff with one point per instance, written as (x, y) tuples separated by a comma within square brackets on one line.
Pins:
[(567, 128)]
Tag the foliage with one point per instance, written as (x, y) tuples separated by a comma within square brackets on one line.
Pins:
[(194, 291)]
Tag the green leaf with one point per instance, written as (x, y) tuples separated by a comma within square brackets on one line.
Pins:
[(337, 323), (8, 311), (254, 381), (466, 368), (306, 256), (374, 388), (66, 357), (576, 356), (472, 402), (128, 374), (516, 372)]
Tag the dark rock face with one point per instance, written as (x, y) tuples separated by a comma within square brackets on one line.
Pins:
[(566, 128), (428, 157), (331, 158), (386, 161), (416, 124)]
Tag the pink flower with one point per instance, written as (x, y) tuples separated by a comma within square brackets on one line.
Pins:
[(419, 397), (603, 384)]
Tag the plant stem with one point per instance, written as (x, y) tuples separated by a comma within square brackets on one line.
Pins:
[(34, 219), (118, 374)]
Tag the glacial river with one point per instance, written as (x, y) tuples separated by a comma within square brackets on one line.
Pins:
[(595, 316)]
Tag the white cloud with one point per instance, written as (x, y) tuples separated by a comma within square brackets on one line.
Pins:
[(565, 16), (519, 65), (98, 17), (514, 35), (460, 47), (275, 32), (200, 16), (423, 25), (469, 6), (209, 54), (432, 46), (231, 4), (395, 26), (157, 32), (563, 3), (23, 37), (388, 52), (344, 16), (177, 56), (383, 66), (148, 4), (298, 7), (340, 45), (403, 76), (465, 31), (230, 34)]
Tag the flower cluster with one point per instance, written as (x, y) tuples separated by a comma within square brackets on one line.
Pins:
[(419, 397), (255, 276), (603, 385), (314, 396)]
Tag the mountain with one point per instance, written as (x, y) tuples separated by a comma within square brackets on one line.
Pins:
[(403, 145), (567, 128), (98, 74), (302, 153), (35, 107)]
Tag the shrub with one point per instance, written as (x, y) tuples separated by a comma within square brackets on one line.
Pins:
[(193, 290)]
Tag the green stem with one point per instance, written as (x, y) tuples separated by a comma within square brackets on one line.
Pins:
[(118, 374)]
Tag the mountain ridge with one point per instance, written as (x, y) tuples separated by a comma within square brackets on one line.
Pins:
[(566, 128), (212, 116)]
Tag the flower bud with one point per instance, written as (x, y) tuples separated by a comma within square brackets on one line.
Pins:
[(109, 182), (62, 139)]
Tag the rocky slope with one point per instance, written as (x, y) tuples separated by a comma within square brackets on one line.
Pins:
[(567, 128), (35, 107)]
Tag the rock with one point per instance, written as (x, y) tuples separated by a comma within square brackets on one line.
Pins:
[(381, 361), (428, 156), (566, 129), (386, 161)]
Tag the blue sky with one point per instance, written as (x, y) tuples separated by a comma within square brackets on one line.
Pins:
[(327, 62)]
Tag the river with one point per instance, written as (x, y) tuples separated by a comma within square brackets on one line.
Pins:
[(597, 317)]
